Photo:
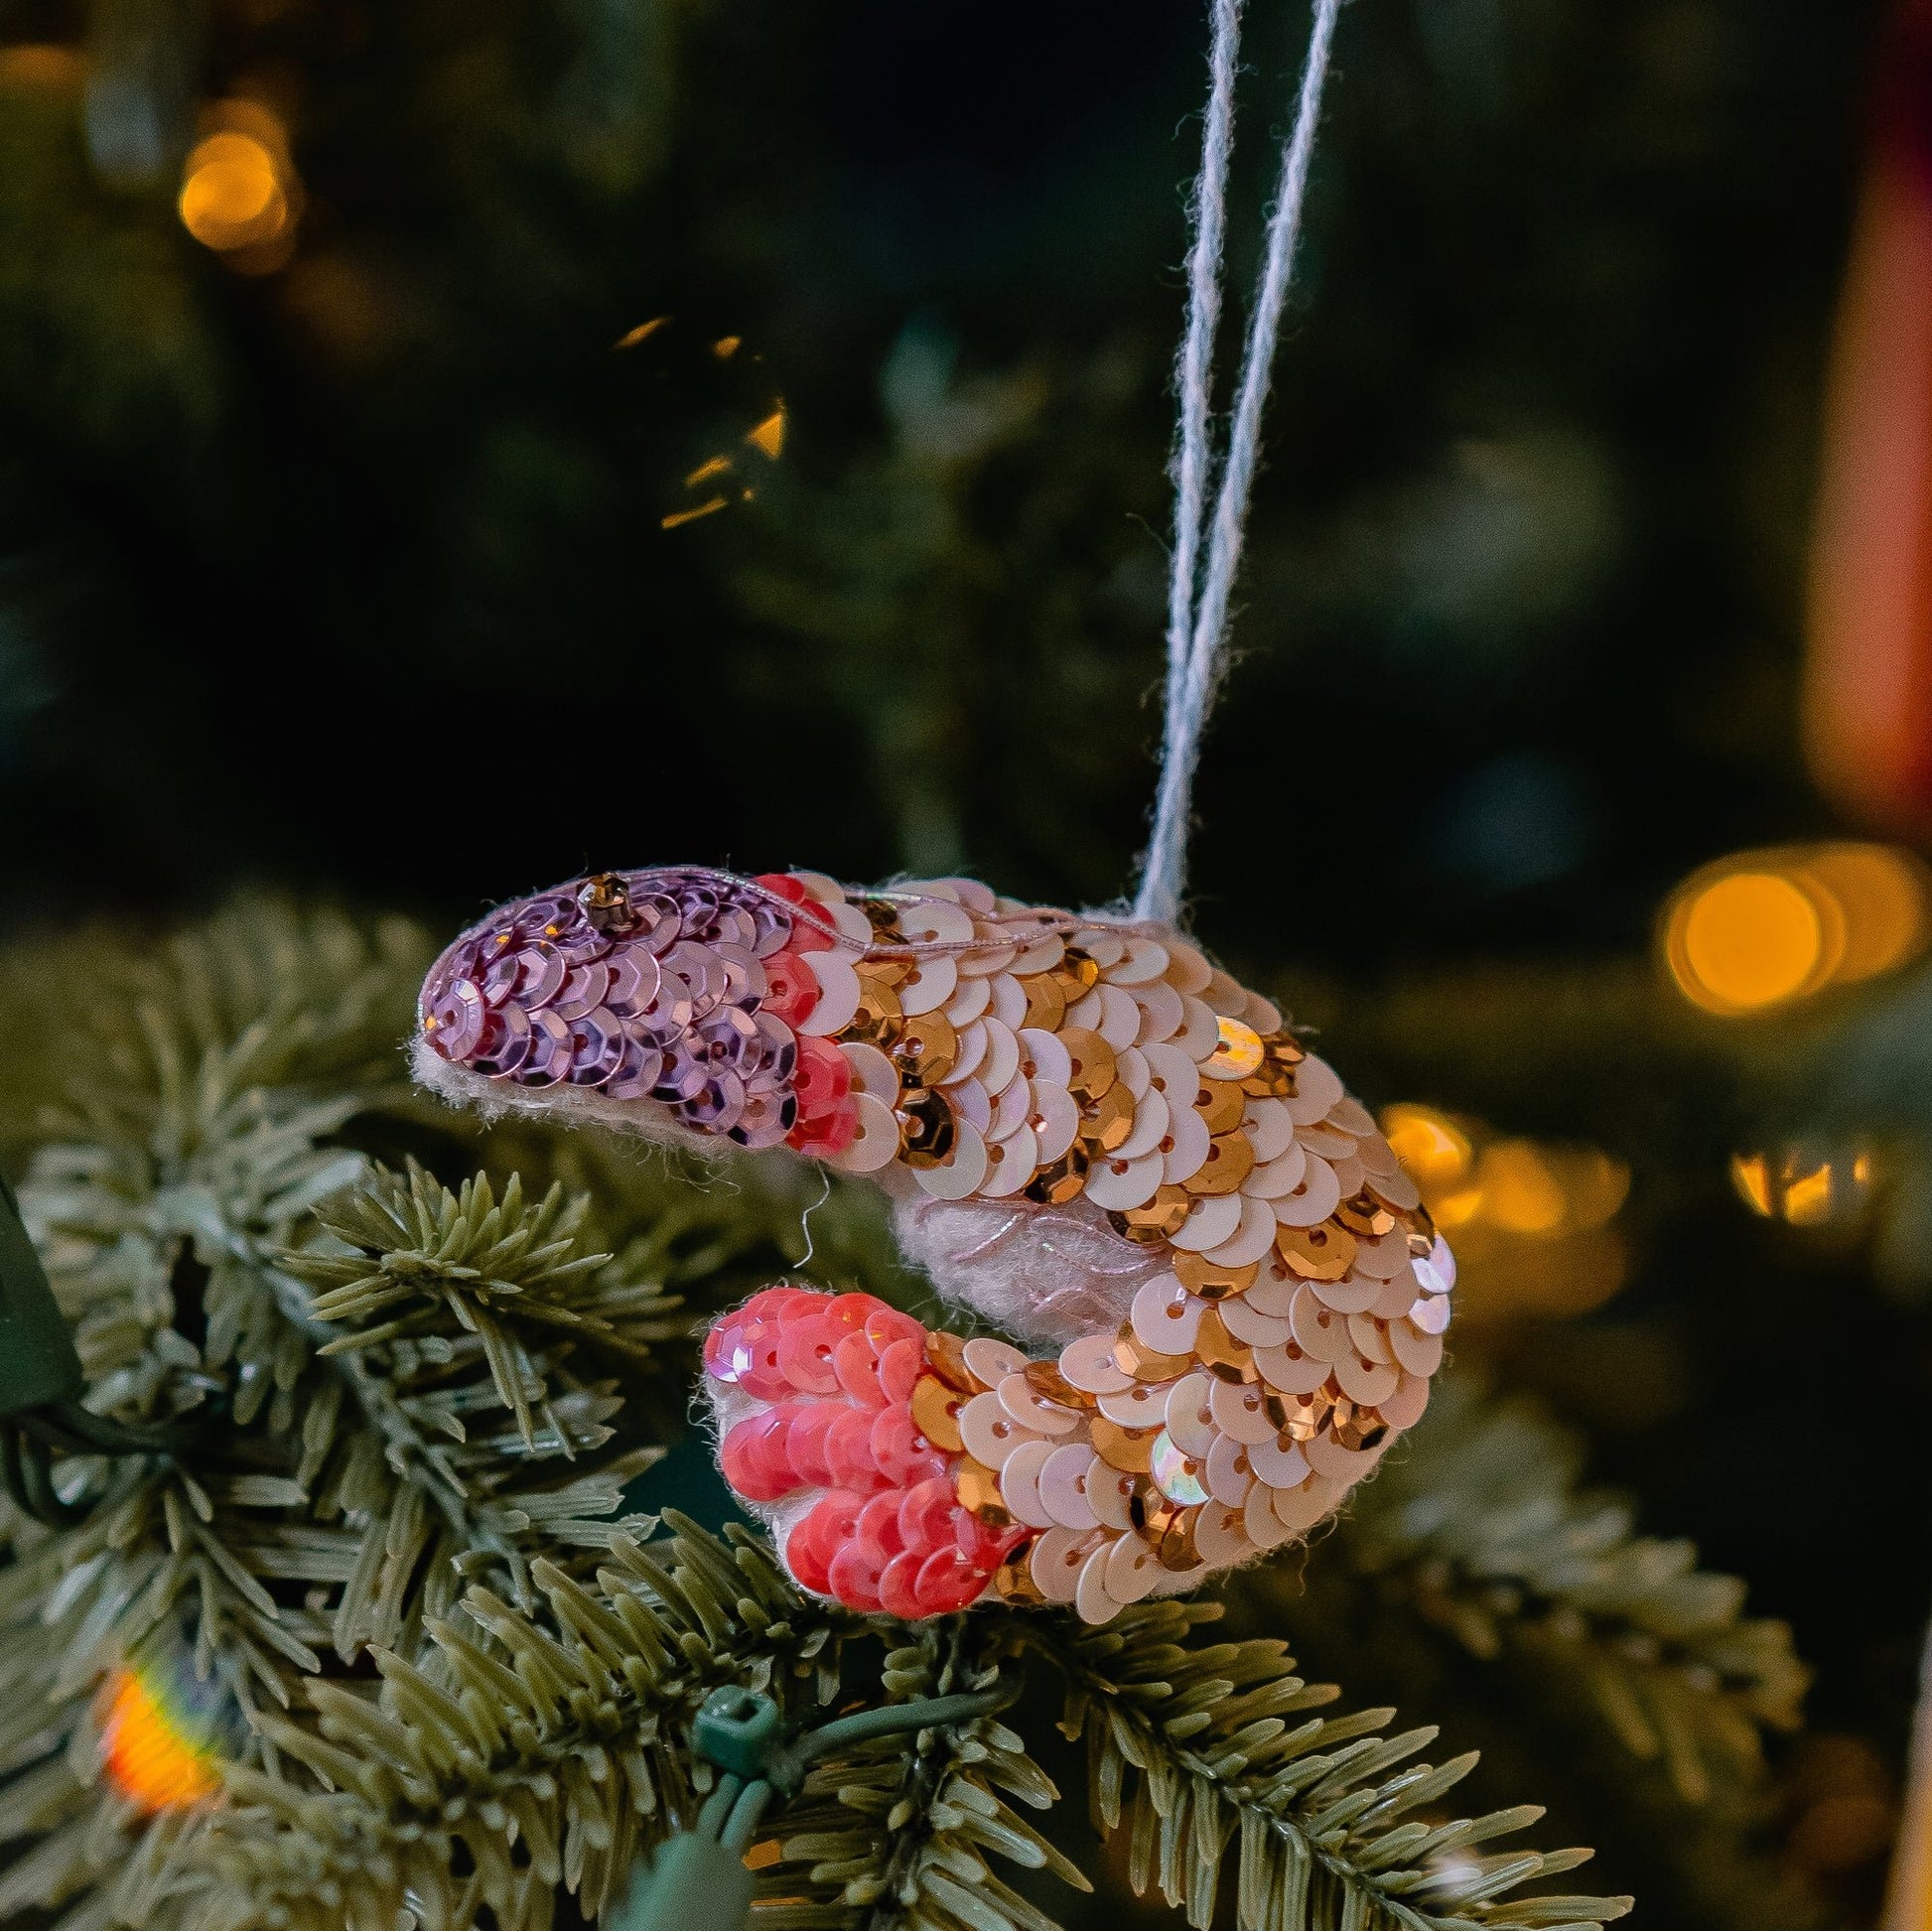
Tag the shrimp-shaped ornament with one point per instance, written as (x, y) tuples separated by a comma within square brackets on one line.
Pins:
[(1094, 1140)]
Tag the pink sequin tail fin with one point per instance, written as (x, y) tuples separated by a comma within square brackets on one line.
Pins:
[(816, 1395)]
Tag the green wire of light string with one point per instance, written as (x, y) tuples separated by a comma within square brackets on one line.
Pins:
[(697, 1881)]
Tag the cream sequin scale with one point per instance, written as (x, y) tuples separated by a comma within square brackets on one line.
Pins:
[(1095, 1139)]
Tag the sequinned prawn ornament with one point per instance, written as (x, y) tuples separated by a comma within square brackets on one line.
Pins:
[(1094, 1138)]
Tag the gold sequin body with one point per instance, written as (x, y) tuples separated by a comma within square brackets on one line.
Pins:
[(1000, 1052)]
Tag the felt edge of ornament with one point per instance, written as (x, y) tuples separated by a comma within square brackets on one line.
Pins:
[(495, 1098)]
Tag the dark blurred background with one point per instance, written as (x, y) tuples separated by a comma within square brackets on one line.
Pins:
[(444, 448), (351, 569)]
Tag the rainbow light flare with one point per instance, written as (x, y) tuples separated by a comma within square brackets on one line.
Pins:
[(157, 1744)]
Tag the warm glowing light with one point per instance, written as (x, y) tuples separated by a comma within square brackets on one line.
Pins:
[(1458, 1210), (1596, 1186), (1520, 1195), (1759, 929), (1746, 941), (231, 196), (239, 194), (1881, 894), (1804, 1186), (642, 332), (1433, 1149), (1867, 702), (1515, 1186), (1751, 1175), (41, 63), (769, 434), (152, 1747), (717, 477), (1808, 1197), (1530, 1221), (708, 509)]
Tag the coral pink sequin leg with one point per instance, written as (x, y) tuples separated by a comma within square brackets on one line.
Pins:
[(830, 1382)]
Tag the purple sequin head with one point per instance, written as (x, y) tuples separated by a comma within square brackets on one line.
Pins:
[(644, 986)]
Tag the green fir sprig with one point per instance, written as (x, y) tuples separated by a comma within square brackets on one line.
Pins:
[(417, 1255), (1479, 1524), (571, 1724), (1192, 1746)]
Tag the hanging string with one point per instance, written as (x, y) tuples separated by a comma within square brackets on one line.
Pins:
[(1197, 600), (1193, 460)]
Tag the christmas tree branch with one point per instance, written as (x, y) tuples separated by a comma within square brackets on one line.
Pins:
[(335, 1502), (460, 1684), (1479, 1525), (548, 1751), (414, 1253), (1192, 1747), (888, 1835)]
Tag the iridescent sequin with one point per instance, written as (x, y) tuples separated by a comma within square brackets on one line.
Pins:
[(644, 985)]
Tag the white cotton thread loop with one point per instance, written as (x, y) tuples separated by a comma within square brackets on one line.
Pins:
[(1193, 677), (1244, 443), (1192, 463)]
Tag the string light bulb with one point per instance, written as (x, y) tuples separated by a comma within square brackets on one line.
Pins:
[(1530, 1221), (158, 1737), (1804, 1186), (1763, 929), (239, 194), (231, 197)]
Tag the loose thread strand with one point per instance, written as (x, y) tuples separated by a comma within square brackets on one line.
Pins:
[(1191, 688)]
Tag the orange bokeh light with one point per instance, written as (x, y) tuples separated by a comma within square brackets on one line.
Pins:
[(1520, 1193), (239, 193), (231, 196), (144, 1750), (1432, 1147), (1762, 928), (1805, 1187)]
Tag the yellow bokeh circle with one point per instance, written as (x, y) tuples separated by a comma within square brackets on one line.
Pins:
[(1520, 1193), (1762, 929), (1881, 894), (1529, 1219), (1432, 1147), (1747, 940), (231, 195)]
